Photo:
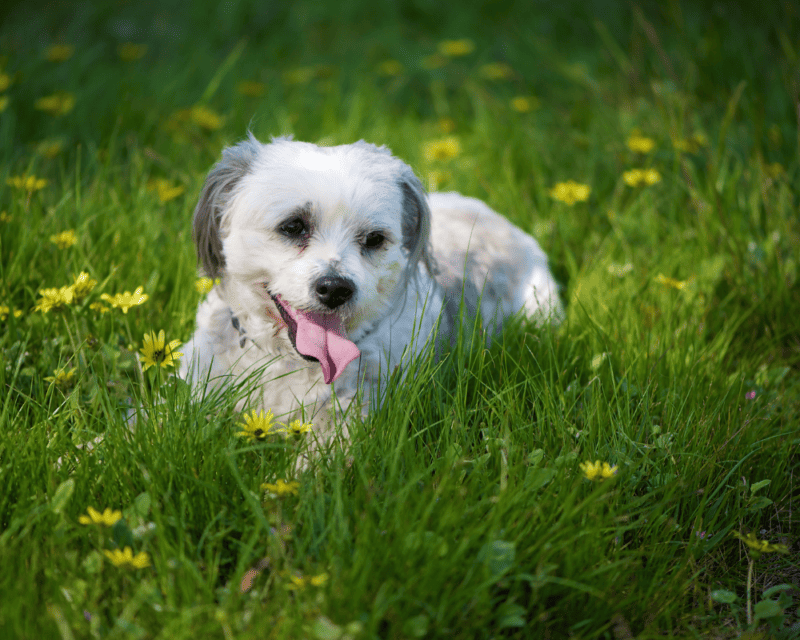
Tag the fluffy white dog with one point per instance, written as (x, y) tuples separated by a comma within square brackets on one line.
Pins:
[(336, 267)]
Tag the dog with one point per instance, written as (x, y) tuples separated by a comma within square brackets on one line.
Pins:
[(335, 268)]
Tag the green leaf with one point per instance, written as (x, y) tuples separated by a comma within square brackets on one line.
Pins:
[(498, 556), (767, 609), (510, 615), (142, 504), (758, 485), (725, 597), (768, 593), (62, 495)]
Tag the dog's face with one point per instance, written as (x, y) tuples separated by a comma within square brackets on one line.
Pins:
[(317, 242)]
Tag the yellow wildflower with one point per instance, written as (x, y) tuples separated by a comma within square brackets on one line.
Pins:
[(165, 189), (58, 104), (5, 311), (49, 148), (156, 351), (671, 282), (59, 52), (639, 143), (436, 178), (126, 300), (98, 306), (258, 425), (524, 104), (251, 88), (455, 48), (597, 470), (5, 81), (108, 518), (205, 118), (126, 560), (62, 378), (756, 547), (282, 488), (204, 285), (390, 68), (570, 192), (65, 239), (297, 582), (83, 285), (636, 177), (298, 427), (442, 149), (26, 183), (496, 71), (54, 299), (130, 51), (5, 216)]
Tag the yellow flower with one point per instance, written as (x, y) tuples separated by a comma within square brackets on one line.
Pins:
[(496, 71), (640, 144), (54, 299), (59, 52), (523, 104), (126, 300), (251, 88), (774, 170), (130, 51), (83, 285), (446, 125), (204, 285), (298, 427), (390, 68), (757, 547), (97, 306), (63, 378), (442, 149), (282, 488), (5, 311), (436, 178), (570, 192), (5, 81), (58, 104), (454, 48), (157, 352), (108, 518), (671, 282), (205, 118), (5, 216), (126, 560), (49, 148), (258, 425), (297, 582), (636, 177), (26, 183), (165, 190), (65, 239), (597, 470)]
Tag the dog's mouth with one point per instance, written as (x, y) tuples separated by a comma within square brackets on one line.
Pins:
[(319, 337)]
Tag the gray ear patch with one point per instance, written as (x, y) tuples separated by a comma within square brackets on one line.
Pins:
[(416, 222), (235, 163)]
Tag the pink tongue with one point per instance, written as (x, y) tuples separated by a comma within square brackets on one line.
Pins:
[(322, 337)]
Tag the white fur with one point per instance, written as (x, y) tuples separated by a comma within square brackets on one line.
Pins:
[(401, 290)]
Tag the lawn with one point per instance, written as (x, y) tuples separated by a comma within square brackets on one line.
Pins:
[(651, 148)]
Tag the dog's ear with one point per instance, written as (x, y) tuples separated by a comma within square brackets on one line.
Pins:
[(416, 221), (235, 163)]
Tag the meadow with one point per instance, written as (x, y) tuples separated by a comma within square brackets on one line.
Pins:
[(632, 474)]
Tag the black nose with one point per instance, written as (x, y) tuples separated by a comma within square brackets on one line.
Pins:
[(333, 291)]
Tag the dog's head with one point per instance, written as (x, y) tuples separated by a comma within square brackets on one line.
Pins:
[(318, 242)]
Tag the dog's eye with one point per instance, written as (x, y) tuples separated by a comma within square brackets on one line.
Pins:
[(374, 240), (293, 228)]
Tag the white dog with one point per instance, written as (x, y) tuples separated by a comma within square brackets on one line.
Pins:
[(336, 267)]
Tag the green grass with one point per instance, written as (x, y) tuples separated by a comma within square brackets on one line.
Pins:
[(464, 513)]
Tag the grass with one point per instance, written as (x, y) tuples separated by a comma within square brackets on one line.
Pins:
[(465, 512)]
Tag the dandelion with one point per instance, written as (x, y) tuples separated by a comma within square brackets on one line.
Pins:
[(496, 71), (62, 378), (456, 48), (204, 285), (126, 300), (6, 311), (54, 299), (165, 190), (298, 427), (297, 582), (640, 144), (65, 239), (126, 560), (57, 104), (205, 118), (108, 518), (156, 351), (258, 425), (636, 177), (282, 488), (5, 81), (680, 285), (27, 183), (524, 104), (390, 68), (251, 88), (131, 52), (597, 470), (59, 52), (83, 284), (442, 149), (570, 192)]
